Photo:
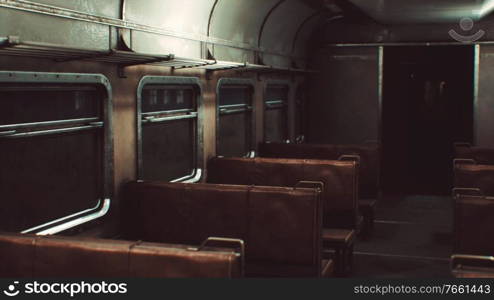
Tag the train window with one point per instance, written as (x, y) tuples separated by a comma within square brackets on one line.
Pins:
[(276, 113), (168, 128), (55, 148), (300, 113), (235, 117)]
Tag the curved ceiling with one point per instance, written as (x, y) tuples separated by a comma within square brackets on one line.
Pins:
[(281, 27), (187, 16), (233, 30), (424, 11), (274, 32), (240, 21)]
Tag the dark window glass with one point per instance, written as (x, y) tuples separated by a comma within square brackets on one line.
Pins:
[(300, 113), (31, 103), (235, 121), (168, 145), (156, 99), (235, 94), (43, 178), (276, 113)]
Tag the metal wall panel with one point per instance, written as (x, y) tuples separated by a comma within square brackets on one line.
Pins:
[(41, 28), (281, 27), (240, 20), (484, 102), (344, 100), (277, 60), (107, 8), (232, 54), (157, 44), (190, 17)]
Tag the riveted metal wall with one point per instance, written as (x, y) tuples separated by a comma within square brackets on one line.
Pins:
[(189, 17), (43, 28), (483, 101), (238, 21)]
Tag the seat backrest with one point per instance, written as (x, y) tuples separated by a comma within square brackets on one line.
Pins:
[(471, 175), (368, 153), (481, 155), (26, 256), (473, 225), (340, 179), (279, 225)]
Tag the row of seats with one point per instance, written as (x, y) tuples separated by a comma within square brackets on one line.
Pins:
[(27, 256), (369, 168), (350, 182), (474, 208), (281, 227), (336, 179), (261, 217)]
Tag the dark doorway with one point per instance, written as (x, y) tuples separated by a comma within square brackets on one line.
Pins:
[(427, 106)]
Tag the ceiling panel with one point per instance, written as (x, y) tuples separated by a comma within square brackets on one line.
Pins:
[(424, 11)]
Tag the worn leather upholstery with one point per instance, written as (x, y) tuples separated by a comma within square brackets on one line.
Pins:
[(473, 272), (473, 225), (471, 175), (24, 256), (281, 227), (472, 266), (368, 153), (481, 155), (340, 179)]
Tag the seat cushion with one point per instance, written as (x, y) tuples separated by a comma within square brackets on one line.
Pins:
[(473, 272), (338, 236)]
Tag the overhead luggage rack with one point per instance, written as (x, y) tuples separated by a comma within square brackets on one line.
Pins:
[(212, 66), (14, 46)]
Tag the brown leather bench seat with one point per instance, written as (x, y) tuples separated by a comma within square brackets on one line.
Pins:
[(472, 266), (481, 155), (473, 229), (470, 175), (473, 224), (281, 226), (339, 186), (27, 256), (368, 167)]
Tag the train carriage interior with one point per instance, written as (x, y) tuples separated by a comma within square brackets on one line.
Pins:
[(246, 138)]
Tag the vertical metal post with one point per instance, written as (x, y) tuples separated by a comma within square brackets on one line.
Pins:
[(476, 112), (380, 91)]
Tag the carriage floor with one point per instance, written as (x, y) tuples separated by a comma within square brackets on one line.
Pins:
[(412, 238)]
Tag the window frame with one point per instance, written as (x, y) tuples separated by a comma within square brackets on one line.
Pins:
[(101, 209), (189, 82), (289, 106), (300, 138), (249, 83)]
